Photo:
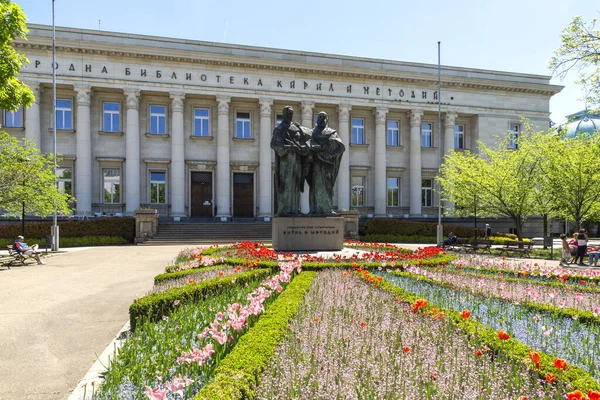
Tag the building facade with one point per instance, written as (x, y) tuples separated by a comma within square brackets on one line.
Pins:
[(185, 126)]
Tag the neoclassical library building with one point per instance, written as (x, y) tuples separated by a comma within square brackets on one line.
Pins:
[(185, 126)]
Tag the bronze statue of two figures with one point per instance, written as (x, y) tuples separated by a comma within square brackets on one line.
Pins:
[(304, 154)]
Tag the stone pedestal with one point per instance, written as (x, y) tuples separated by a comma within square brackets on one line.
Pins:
[(308, 233), (146, 224)]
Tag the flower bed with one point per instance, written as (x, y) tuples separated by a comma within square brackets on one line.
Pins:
[(216, 327), (339, 347)]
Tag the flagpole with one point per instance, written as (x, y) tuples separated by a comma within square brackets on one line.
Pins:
[(55, 233), (440, 228)]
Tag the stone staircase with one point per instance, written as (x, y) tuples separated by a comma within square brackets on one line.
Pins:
[(173, 233)]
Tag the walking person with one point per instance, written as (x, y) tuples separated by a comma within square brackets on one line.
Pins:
[(566, 251), (582, 239), (488, 232)]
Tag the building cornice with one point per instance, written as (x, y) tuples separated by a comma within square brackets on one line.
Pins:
[(388, 71)]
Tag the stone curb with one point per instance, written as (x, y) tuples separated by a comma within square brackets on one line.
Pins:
[(93, 378)]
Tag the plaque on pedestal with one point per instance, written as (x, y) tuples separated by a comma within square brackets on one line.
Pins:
[(308, 233)]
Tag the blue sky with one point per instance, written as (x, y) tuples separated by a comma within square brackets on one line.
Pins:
[(508, 35)]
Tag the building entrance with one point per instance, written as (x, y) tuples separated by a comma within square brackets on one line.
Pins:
[(202, 194), (243, 195)]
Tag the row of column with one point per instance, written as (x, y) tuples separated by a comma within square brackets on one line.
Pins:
[(83, 176)]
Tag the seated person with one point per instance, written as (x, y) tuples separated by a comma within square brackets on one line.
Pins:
[(21, 247), (450, 241), (573, 247)]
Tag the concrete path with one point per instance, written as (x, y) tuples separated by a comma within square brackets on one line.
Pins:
[(55, 318)]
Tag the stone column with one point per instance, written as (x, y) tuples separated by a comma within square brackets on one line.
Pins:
[(83, 168), (415, 162), (307, 121), (449, 120), (132, 152), (32, 116), (448, 146), (264, 168), (343, 178), (380, 162), (177, 157), (223, 168)]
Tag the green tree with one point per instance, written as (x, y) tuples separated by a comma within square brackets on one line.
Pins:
[(580, 50), (570, 172), (499, 180), (27, 176), (13, 92)]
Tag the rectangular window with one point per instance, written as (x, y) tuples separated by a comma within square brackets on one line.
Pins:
[(393, 133), (426, 130), (158, 188), (393, 192), (13, 119), (64, 180), (201, 122), (427, 193), (515, 129), (358, 131), (64, 114), (158, 120), (112, 186), (112, 117), (242, 126), (459, 136), (358, 191)]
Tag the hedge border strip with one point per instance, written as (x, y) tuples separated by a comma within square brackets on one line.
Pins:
[(237, 375), (153, 306), (168, 276), (516, 351)]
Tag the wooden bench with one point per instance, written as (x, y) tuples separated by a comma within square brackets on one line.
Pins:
[(483, 245), (15, 256), (474, 246), (517, 247), (457, 246)]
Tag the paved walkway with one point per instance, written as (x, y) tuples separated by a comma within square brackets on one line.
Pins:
[(55, 318)]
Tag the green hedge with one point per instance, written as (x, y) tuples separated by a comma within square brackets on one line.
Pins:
[(167, 276), (80, 241), (123, 227), (237, 375), (153, 306), (402, 227), (514, 350), (389, 238)]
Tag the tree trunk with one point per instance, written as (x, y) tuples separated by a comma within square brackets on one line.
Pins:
[(519, 227), (545, 217)]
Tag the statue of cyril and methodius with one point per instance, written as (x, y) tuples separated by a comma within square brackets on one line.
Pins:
[(304, 154)]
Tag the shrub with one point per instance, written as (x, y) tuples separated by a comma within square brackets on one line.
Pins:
[(387, 238), (123, 227), (237, 374), (156, 305), (82, 241), (388, 226)]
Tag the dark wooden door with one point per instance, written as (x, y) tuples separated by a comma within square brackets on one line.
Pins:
[(201, 194), (243, 195)]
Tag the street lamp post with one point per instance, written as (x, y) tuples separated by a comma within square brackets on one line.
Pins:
[(440, 228), (55, 231)]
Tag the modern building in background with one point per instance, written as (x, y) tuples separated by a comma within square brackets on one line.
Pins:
[(185, 126)]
